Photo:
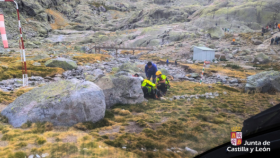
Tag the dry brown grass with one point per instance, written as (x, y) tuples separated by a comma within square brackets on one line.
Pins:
[(124, 112), (240, 73), (9, 97), (150, 57), (200, 124), (90, 58), (131, 52), (11, 67), (222, 70), (248, 36), (70, 143), (60, 21)]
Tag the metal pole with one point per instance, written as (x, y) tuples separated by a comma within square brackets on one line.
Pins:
[(24, 75), (202, 73)]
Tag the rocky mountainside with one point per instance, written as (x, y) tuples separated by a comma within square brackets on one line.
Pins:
[(41, 18), (74, 87)]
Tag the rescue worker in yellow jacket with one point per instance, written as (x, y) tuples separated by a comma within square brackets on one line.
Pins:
[(162, 82), (149, 89)]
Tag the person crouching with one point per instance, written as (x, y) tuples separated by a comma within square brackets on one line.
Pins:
[(162, 83), (149, 89)]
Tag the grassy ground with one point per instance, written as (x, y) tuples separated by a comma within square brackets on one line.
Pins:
[(230, 71), (200, 124), (144, 130), (131, 52), (89, 58), (12, 68), (42, 138), (9, 97)]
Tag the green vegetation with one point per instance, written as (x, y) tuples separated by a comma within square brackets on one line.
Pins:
[(223, 59), (11, 67), (89, 125), (21, 145), (273, 66), (9, 97), (18, 154), (97, 5), (58, 150), (90, 58), (40, 140), (3, 119), (233, 66), (38, 127), (200, 124)]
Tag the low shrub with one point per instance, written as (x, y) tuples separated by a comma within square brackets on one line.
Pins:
[(40, 140), (90, 125)]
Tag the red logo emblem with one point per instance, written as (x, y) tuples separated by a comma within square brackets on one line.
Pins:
[(236, 138)]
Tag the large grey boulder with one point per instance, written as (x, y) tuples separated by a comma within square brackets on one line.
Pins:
[(267, 81), (32, 7), (216, 33), (229, 56), (262, 58), (102, 8), (66, 64), (257, 42), (94, 75), (121, 90), (176, 36), (62, 103), (129, 67)]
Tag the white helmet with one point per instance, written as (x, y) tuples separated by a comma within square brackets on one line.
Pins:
[(141, 78)]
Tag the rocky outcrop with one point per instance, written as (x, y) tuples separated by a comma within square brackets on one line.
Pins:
[(75, 73), (267, 81), (236, 17), (94, 75), (257, 42), (216, 33), (262, 58), (161, 2), (41, 56), (61, 103), (121, 90), (66, 64), (129, 67), (176, 36)]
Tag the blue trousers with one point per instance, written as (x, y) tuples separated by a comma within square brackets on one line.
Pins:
[(154, 78)]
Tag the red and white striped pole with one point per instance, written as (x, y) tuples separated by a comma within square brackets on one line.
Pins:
[(24, 74), (202, 73), (3, 31)]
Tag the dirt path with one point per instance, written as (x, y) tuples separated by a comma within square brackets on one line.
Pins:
[(266, 43)]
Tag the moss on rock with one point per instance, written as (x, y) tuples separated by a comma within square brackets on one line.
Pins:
[(66, 64)]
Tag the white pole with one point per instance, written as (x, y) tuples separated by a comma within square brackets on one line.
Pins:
[(24, 74)]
